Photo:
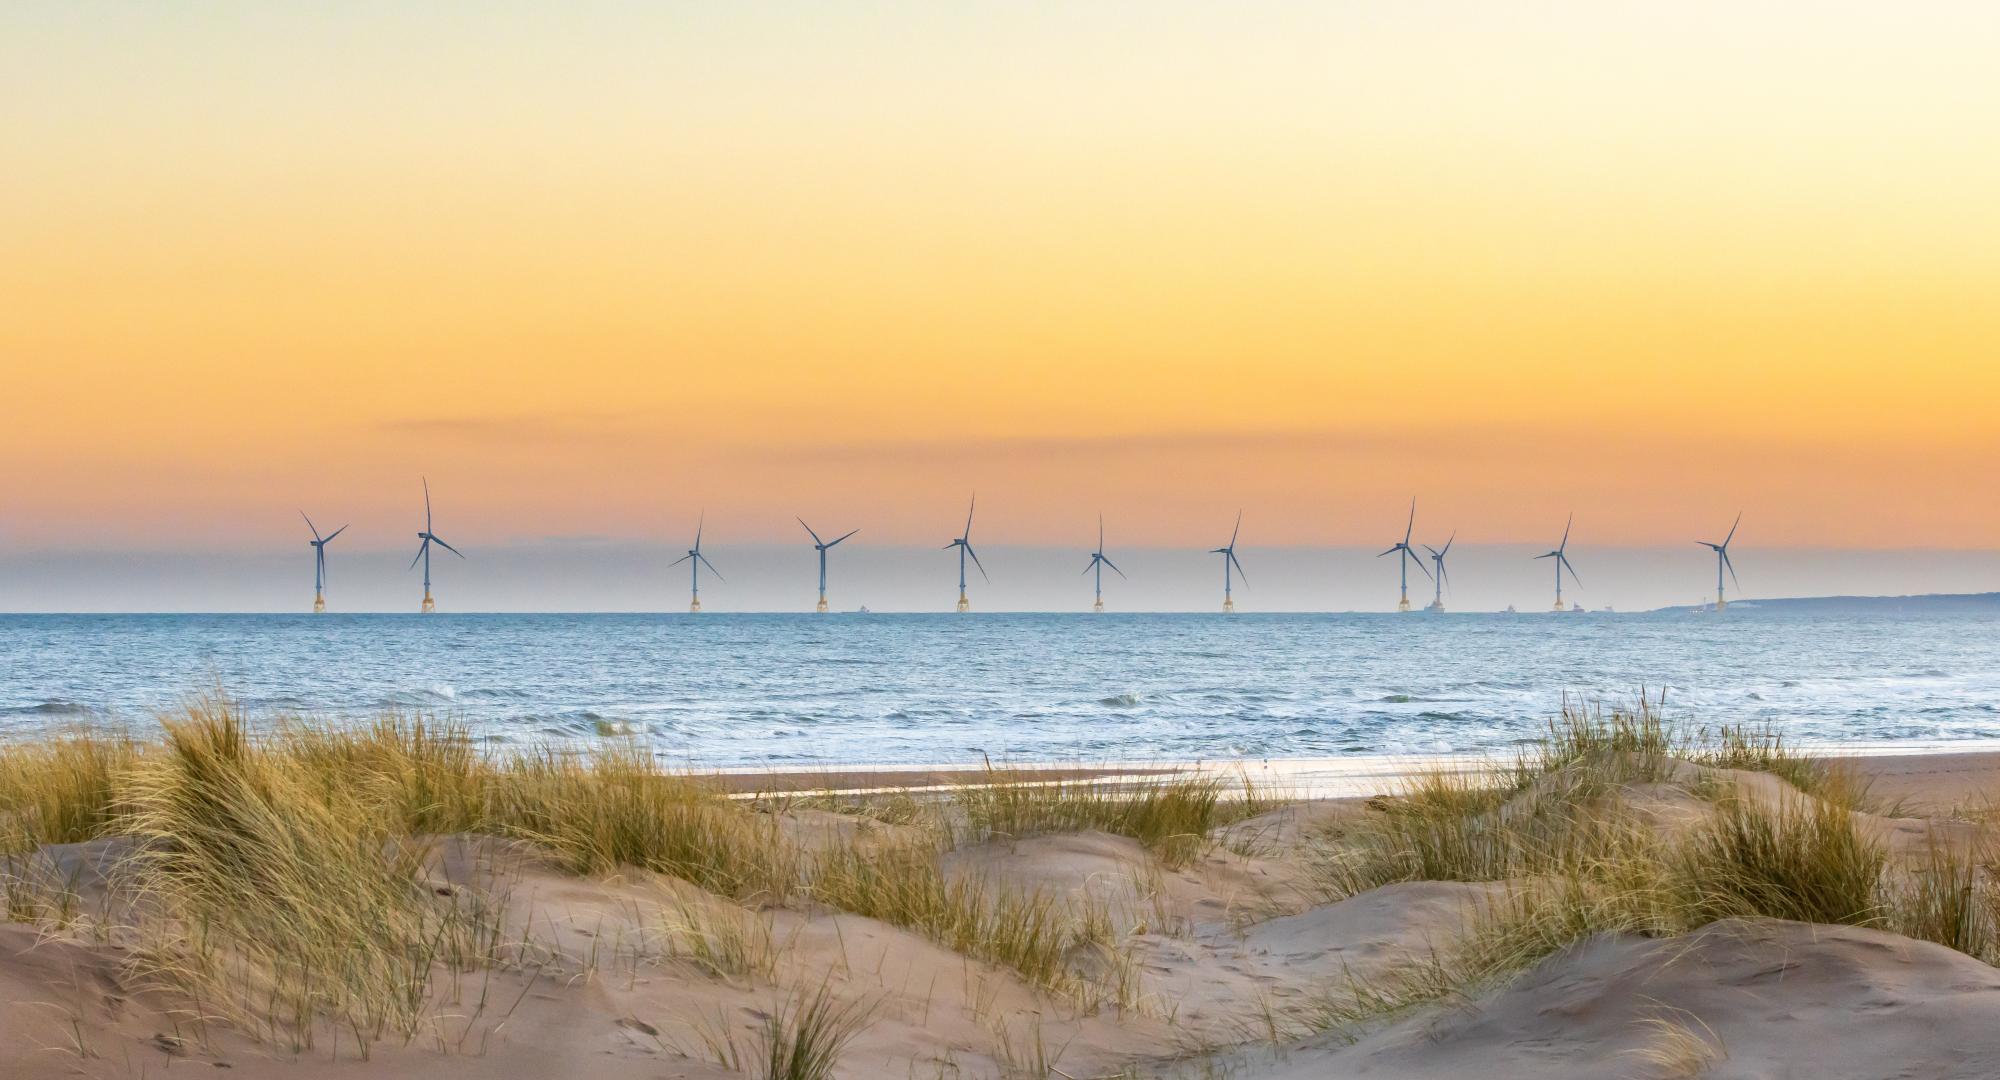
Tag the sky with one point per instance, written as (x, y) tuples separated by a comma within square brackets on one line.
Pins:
[(596, 269)]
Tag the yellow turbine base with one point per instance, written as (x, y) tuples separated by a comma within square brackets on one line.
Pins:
[(319, 603), (1404, 603), (1720, 603), (1228, 605), (1098, 606), (822, 604), (964, 605), (430, 605), (1559, 605), (694, 605)]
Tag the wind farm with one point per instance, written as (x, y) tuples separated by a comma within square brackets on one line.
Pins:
[(1439, 579), (424, 551), (1229, 564), (1098, 562), (1561, 557), (319, 543), (696, 561), (822, 547), (1405, 555), (964, 545), (1722, 560)]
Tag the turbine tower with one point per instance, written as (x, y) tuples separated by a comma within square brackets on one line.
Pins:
[(319, 544), (1229, 560), (1723, 559), (964, 546), (696, 560), (1405, 555), (1098, 562), (1437, 600), (424, 550), (821, 546), (1562, 562)]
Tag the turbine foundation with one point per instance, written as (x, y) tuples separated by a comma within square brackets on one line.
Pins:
[(1404, 603), (1435, 607), (319, 603), (964, 605), (694, 606), (822, 604), (1559, 604), (1228, 605), (430, 605), (1098, 607)]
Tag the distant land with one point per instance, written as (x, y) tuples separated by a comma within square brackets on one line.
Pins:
[(1927, 604)]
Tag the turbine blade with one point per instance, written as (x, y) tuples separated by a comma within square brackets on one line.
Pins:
[(1233, 532), (809, 531), (1546, 555), (1435, 553), (1412, 525), (329, 539), (419, 554), (1087, 566), (1448, 543), (976, 562), (310, 525), (844, 536), (1572, 570), (1114, 567), (1566, 524), (712, 569), (1238, 563), (680, 560), (1391, 551), (970, 507), (449, 548), (427, 504), (699, 524), (1418, 561), (1731, 566), (1732, 529)]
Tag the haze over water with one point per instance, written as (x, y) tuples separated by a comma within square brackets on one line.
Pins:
[(799, 689)]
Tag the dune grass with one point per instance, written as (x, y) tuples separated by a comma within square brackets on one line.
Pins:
[(1564, 828), (1173, 816)]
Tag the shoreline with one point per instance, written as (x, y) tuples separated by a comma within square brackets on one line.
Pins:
[(1936, 776)]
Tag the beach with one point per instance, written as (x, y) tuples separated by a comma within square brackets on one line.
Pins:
[(1620, 901)]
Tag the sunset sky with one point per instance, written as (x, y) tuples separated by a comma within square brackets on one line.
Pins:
[(595, 267)]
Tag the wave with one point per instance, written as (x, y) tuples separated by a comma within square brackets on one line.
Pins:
[(1120, 701)]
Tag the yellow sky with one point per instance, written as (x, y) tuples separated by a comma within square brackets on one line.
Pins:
[(590, 266)]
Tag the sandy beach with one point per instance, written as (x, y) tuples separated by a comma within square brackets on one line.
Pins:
[(1050, 923)]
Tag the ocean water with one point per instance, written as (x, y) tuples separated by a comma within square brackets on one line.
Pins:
[(722, 690)]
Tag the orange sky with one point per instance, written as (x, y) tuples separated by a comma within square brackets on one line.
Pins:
[(593, 266)]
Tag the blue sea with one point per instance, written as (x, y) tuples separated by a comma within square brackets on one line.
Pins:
[(746, 690)]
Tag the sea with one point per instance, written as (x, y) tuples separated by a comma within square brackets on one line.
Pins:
[(723, 690)]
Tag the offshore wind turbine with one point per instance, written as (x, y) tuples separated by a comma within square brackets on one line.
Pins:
[(1562, 562), (964, 546), (1405, 555), (319, 543), (1098, 562), (1722, 559), (424, 550), (696, 560), (1229, 560), (821, 546), (1437, 557)]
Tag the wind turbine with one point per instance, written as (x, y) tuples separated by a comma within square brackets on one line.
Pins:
[(821, 546), (424, 550), (1437, 600), (319, 543), (1405, 555), (1722, 559), (696, 560), (1229, 560), (1098, 562), (964, 546), (1562, 562)]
